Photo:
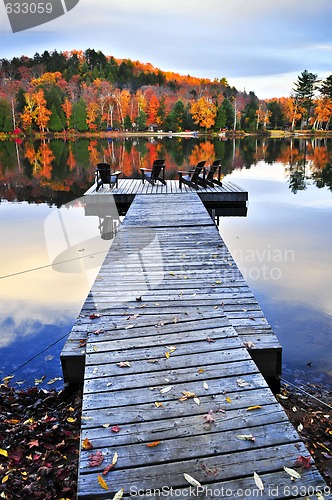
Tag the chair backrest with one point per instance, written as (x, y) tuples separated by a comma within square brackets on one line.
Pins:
[(104, 170), (156, 168), (197, 171), (213, 169)]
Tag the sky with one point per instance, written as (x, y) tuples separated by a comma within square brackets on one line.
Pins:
[(258, 45)]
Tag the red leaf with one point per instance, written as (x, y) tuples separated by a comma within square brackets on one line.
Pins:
[(304, 462), (15, 456), (94, 316), (33, 443), (115, 428), (107, 469), (95, 459)]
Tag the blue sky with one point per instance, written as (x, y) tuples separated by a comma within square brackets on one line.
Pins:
[(259, 45)]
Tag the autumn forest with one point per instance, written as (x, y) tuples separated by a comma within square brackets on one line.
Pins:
[(84, 92)]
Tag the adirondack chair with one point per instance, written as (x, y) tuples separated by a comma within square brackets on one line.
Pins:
[(156, 173), (104, 175), (208, 176), (192, 177)]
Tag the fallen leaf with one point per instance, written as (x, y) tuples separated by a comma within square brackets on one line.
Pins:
[(218, 282), (228, 400), (249, 344), (172, 273), (281, 396), (187, 395), (33, 443), (256, 407), (94, 316), (242, 383), (246, 437), (304, 462), (124, 364), (128, 327), (53, 380), (209, 418), (300, 427), (118, 495), (86, 445), (167, 354), (158, 405), (71, 420), (153, 361), (115, 428), (6, 379), (4, 480), (96, 459), (197, 401), (3, 452), (107, 469), (154, 443), (134, 316), (139, 299), (201, 370), (205, 385), (208, 339), (191, 480), (293, 473), (166, 389), (102, 482), (115, 458), (258, 482)]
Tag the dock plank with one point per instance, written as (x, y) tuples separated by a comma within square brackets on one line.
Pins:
[(165, 361)]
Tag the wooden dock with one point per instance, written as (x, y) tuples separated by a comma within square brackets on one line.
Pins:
[(170, 388), (229, 198)]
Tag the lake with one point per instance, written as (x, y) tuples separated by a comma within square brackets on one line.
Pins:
[(51, 252)]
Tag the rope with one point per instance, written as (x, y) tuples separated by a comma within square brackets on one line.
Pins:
[(307, 393), (49, 265), (36, 355)]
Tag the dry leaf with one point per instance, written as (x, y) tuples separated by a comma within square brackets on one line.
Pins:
[(94, 316), (167, 354), (172, 273), (249, 344), (115, 428), (208, 339), (124, 364), (205, 385), (218, 282), (128, 327), (256, 407), (166, 389), (4, 453), (96, 459), (102, 483), (118, 495), (115, 458), (151, 445), (228, 400), (201, 370), (293, 473), (300, 427), (258, 482), (87, 445), (209, 418), (191, 480), (187, 395), (242, 383), (158, 405), (197, 401), (246, 437)]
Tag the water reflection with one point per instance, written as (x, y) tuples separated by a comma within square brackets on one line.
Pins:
[(284, 250), (289, 183), (59, 171)]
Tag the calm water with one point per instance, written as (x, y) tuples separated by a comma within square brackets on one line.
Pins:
[(50, 256)]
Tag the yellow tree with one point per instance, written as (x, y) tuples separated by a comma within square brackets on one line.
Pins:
[(322, 113), (68, 109), (35, 111), (204, 113)]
